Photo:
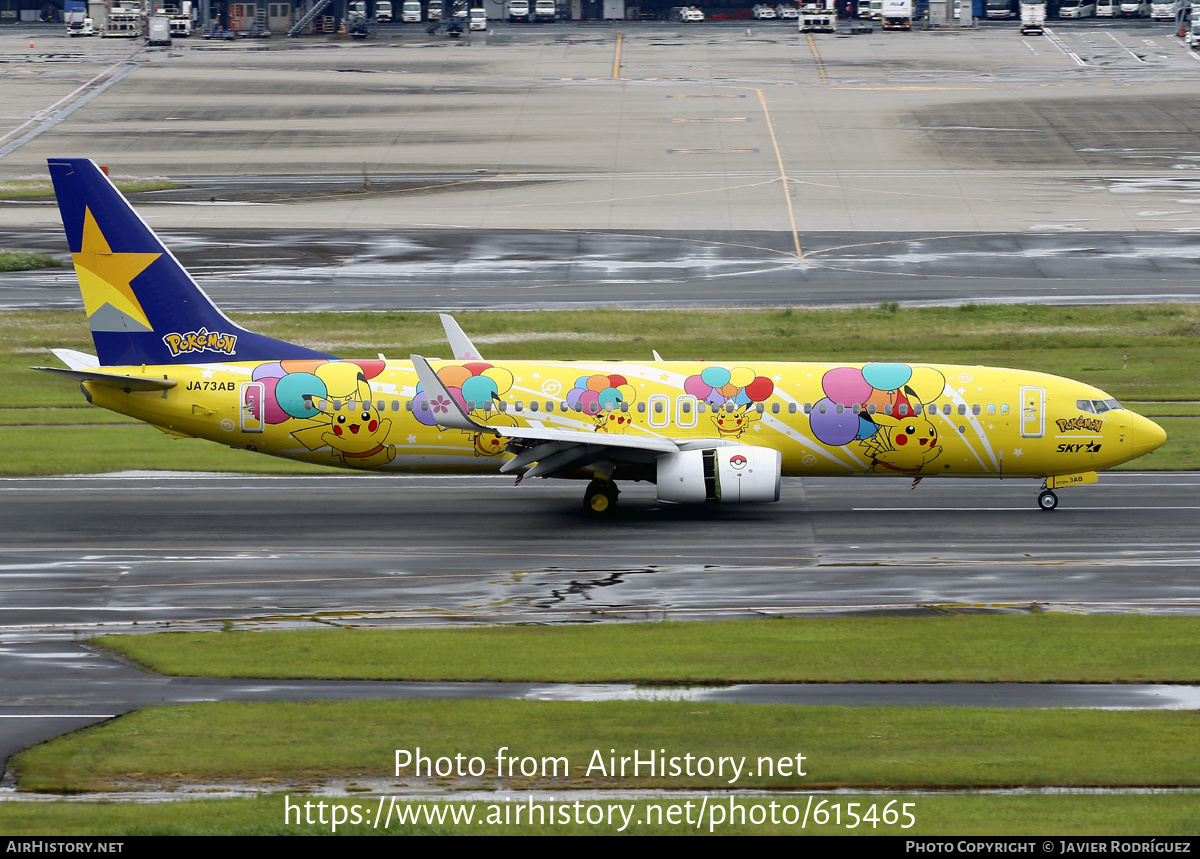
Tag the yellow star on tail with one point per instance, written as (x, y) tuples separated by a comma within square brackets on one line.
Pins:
[(104, 276)]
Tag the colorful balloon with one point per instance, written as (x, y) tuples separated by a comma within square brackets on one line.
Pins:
[(832, 428), (718, 377), (886, 377), (846, 385), (291, 390)]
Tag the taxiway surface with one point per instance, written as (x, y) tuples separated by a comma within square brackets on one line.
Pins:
[(93, 554)]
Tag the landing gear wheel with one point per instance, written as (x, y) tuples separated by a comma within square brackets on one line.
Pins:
[(600, 498), (1047, 500)]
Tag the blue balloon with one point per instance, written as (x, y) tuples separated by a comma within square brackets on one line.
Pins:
[(479, 390), (718, 377), (887, 377), (581, 383), (610, 396), (293, 388), (741, 398), (866, 428)]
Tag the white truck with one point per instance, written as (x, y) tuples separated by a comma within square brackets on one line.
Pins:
[(158, 30), (1164, 11), (1135, 8), (817, 16), (896, 14), (1033, 18), (1077, 9), (124, 21), (518, 11), (1107, 8), (478, 18), (763, 12), (998, 9), (544, 11), (79, 24), (410, 12)]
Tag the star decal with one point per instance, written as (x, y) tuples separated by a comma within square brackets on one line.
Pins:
[(1017, 452), (206, 374), (412, 439), (104, 276)]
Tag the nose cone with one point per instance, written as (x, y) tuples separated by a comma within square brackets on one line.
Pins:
[(1145, 434)]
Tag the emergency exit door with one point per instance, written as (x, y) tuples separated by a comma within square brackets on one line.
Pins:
[(1033, 412)]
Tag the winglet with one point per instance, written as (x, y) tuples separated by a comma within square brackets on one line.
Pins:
[(447, 411), (460, 343), (657, 358)]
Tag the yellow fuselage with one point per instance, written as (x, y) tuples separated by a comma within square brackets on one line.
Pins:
[(825, 419)]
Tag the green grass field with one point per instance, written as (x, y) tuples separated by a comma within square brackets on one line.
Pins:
[(969, 648), (935, 814), (893, 747), (1145, 353)]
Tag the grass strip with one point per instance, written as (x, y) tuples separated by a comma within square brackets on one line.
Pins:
[(895, 747), (936, 814), (951, 648), (26, 261), (25, 189)]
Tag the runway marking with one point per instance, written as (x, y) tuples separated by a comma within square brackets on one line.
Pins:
[(58, 715), (1061, 45), (812, 46), (1127, 49), (1146, 508), (785, 181), (616, 71)]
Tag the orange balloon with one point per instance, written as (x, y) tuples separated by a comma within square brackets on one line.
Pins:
[(453, 377), (597, 383)]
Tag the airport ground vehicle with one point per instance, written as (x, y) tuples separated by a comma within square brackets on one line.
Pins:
[(1000, 9), (518, 11), (79, 24), (1135, 8), (896, 14), (703, 432), (410, 12), (124, 21), (384, 11), (158, 30), (1107, 8), (818, 17), (1169, 10), (763, 12), (1077, 9), (1033, 18), (478, 18), (686, 14), (787, 13), (545, 11), (434, 10)]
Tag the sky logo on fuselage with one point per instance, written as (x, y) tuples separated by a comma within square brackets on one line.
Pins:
[(200, 341)]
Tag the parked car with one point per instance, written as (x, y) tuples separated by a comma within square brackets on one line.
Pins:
[(763, 12)]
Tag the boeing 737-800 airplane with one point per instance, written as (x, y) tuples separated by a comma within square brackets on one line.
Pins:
[(701, 431)]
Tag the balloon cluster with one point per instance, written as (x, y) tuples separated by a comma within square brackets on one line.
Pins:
[(473, 386), (598, 392), (290, 387), (719, 386), (881, 385)]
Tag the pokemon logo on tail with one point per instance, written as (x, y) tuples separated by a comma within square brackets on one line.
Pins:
[(704, 433)]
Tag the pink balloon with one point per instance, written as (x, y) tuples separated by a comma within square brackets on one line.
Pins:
[(846, 385), (272, 413), (695, 386)]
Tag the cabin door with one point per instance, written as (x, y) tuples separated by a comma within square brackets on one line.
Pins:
[(251, 411), (1033, 412)]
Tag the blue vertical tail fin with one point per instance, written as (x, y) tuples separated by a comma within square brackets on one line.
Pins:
[(142, 305)]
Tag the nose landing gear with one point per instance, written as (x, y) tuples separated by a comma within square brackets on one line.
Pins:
[(1047, 500)]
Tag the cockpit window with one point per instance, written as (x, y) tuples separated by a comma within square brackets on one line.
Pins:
[(1097, 407)]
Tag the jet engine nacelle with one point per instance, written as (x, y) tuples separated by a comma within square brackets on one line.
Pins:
[(737, 474)]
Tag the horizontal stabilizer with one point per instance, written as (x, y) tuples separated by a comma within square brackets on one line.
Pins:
[(114, 380)]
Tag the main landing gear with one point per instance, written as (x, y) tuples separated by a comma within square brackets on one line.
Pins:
[(1047, 500), (600, 499)]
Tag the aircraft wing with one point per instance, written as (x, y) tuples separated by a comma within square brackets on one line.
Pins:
[(114, 380), (553, 450)]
